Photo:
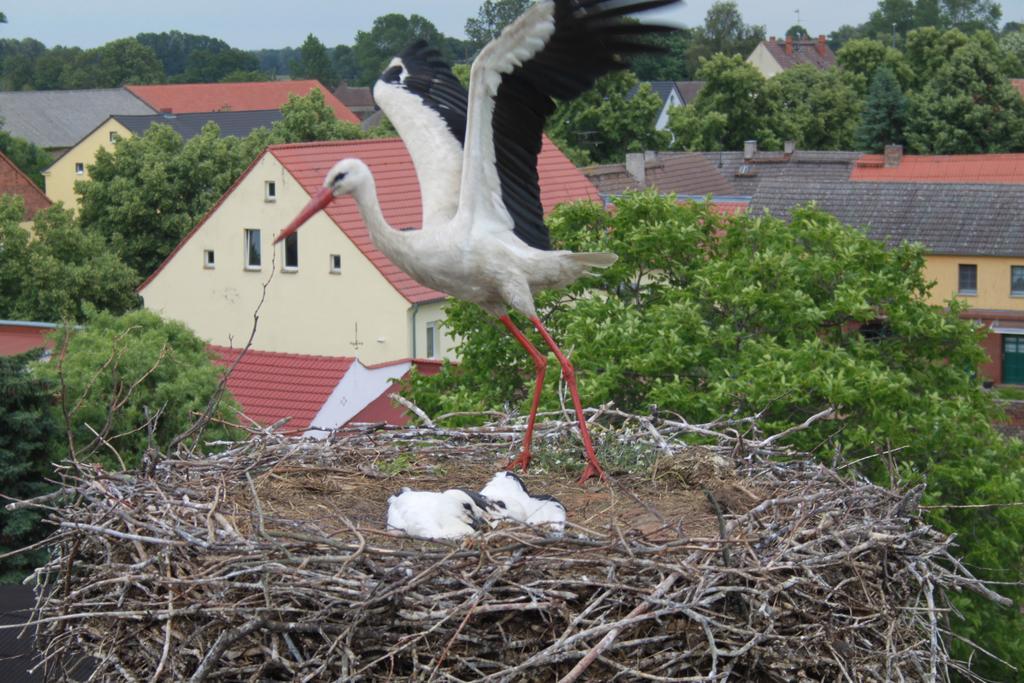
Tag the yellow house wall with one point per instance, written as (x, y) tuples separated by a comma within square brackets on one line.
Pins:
[(763, 61), (60, 177), (309, 311), (993, 281), (426, 313)]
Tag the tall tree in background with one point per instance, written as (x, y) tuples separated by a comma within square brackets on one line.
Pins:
[(114, 64), (891, 15), (885, 113), (1012, 43), (797, 32), (315, 63), (343, 61), (669, 65), (862, 57), (31, 159), (173, 48), (816, 108), (723, 31), (971, 15), (493, 16), (390, 34)]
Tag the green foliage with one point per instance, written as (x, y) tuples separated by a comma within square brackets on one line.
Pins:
[(862, 57), (191, 58), (146, 194), (28, 433), (723, 32), (816, 108), (32, 160), (112, 65), (670, 65), (315, 63), (1013, 44), (56, 273), (709, 316), (115, 368), (733, 107), (604, 123), (885, 114), (390, 34), (493, 16)]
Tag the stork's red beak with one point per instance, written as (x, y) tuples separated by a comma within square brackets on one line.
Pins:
[(319, 201)]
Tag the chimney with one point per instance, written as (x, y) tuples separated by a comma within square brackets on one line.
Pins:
[(772, 39), (636, 166), (651, 156), (893, 155), (821, 45), (788, 147), (749, 149), (789, 44)]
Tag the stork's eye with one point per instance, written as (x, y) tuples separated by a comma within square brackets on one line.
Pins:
[(338, 178)]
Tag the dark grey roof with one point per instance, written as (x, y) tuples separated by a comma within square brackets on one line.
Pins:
[(682, 173), (689, 90), (947, 218), (798, 167), (661, 88), (58, 119), (237, 123)]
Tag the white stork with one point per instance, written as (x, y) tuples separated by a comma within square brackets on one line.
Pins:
[(522, 506), (483, 237), (427, 514)]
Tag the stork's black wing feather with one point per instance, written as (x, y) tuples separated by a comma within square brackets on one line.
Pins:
[(591, 39), (432, 80)]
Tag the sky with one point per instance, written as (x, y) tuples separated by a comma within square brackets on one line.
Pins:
[(250, 25)]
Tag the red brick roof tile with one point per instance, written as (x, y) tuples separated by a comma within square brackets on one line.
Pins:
[(271, 386), (399, 192), (958, 168), (181, 98), (815, 52), (14, 181)]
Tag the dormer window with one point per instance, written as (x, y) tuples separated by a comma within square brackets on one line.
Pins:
[(270, 191)]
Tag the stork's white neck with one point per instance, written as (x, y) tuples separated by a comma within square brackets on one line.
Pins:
[(390, 241)]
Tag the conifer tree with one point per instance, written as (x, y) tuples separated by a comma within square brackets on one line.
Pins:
[(885, 113)]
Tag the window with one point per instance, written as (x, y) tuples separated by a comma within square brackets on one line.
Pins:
[(208, 259), (335, 263), (253, 253), (432, 339), (270, 191), (114, 137), (968, 279), (1016, 280), (291, 252), (79, 168)]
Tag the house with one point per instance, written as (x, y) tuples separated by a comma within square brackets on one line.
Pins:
[(747, 169), (773, 56), (328, 291), (358, 100), (20, 336), (13, 181), (967, 211), (74, 164), (672, 94), (185, 98), (57, 119), (1018, 84), (312, 395)]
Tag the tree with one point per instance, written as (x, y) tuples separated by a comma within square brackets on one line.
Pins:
[(205, 66), (1012, 43), (885, 113), (315, 63), (669, 65), (708, 316), (797, 32), (147, 193), (723, 31), (864, 56), (493, 16), (971, 15), (732, 107), (28, 432), (965, 103), (344, 63), (816, 108), (173, 48), (31, 159), (604, 123), (119, 62), (57, 270), (890, 16), (116, 368), (390, 34)]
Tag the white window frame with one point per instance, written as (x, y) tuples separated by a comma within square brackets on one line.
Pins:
[(432, 345), (335, 258), (270, 191), (113, 136), (79, 168), (959, 281), (285, 267), (209, 259), (246, 253), (1015, 292)]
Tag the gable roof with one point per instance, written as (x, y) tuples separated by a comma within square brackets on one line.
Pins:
[(662, 89), (236, 123), (271, 386), (14, 181), (183, 98), (815, 52), (355, 98), (955, 168), (58, 119), (681, 173), (961, 219), (799, 167)]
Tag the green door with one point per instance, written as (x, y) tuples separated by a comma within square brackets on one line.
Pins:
[(1013, 359)]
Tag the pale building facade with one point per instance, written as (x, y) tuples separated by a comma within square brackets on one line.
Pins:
[(74, 164)]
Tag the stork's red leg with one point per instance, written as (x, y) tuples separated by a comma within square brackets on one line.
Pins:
[(593, 467), (540, 362)]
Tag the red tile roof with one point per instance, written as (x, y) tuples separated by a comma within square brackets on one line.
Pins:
[(14, 181), (814, 52), (17, 338), (184, 98), (958, 168), (399, 192), (1018, 83), (271, 386)]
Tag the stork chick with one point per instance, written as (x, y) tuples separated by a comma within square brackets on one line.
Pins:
[(451, 514), (542, 509)]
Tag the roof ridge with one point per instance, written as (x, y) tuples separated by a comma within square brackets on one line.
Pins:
[(330, 143), (290, 354)]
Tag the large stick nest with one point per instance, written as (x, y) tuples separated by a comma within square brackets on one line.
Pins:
[(269, 561)]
